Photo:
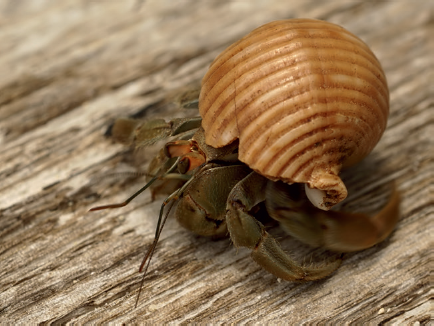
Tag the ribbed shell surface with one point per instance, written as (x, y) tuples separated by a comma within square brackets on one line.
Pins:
[(305, 97)]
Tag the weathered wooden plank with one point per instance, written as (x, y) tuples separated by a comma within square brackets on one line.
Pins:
[(69, 68)]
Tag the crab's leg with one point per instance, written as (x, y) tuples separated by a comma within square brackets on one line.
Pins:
[(202, 207), (148, 132), (338, 231), (246, 231)]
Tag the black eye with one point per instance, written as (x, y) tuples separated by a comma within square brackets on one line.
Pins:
[(183, 165)]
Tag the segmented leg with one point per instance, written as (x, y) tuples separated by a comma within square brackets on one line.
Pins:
[(148, 132), (202, 207), (246, 231), (338, 231)]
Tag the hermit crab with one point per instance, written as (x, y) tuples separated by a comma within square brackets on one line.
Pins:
[(282, 111)]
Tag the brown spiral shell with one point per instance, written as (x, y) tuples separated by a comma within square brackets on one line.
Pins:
[(304, 97)]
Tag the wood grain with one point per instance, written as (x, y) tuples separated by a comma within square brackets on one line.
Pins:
[(69, 68)]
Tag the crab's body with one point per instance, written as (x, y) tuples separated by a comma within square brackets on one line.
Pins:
[(289, 104), (221, 194)]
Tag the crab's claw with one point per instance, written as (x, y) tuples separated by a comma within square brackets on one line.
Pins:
[(246, 231)]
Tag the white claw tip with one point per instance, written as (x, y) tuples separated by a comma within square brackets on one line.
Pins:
[(317, 197)]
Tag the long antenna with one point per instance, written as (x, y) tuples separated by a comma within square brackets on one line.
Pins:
[(146, 186), (147, 259), (126, 202), (160, 224), (161, 221)]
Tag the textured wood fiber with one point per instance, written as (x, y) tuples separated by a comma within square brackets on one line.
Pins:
[(69, 68)]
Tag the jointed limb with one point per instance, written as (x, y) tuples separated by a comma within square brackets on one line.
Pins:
[(246, 231)]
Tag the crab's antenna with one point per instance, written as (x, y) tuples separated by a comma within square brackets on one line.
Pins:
[(147, 259), (126, 202), (160, 224), (146, 186)]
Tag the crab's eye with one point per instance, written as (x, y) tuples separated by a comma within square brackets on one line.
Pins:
[(184, 165)]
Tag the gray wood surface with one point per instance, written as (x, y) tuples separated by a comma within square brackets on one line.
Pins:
[(69, 68)]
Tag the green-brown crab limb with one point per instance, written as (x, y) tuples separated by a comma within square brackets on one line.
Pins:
[(246, 231), (202, 206), (337, 231), (148, 132)]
